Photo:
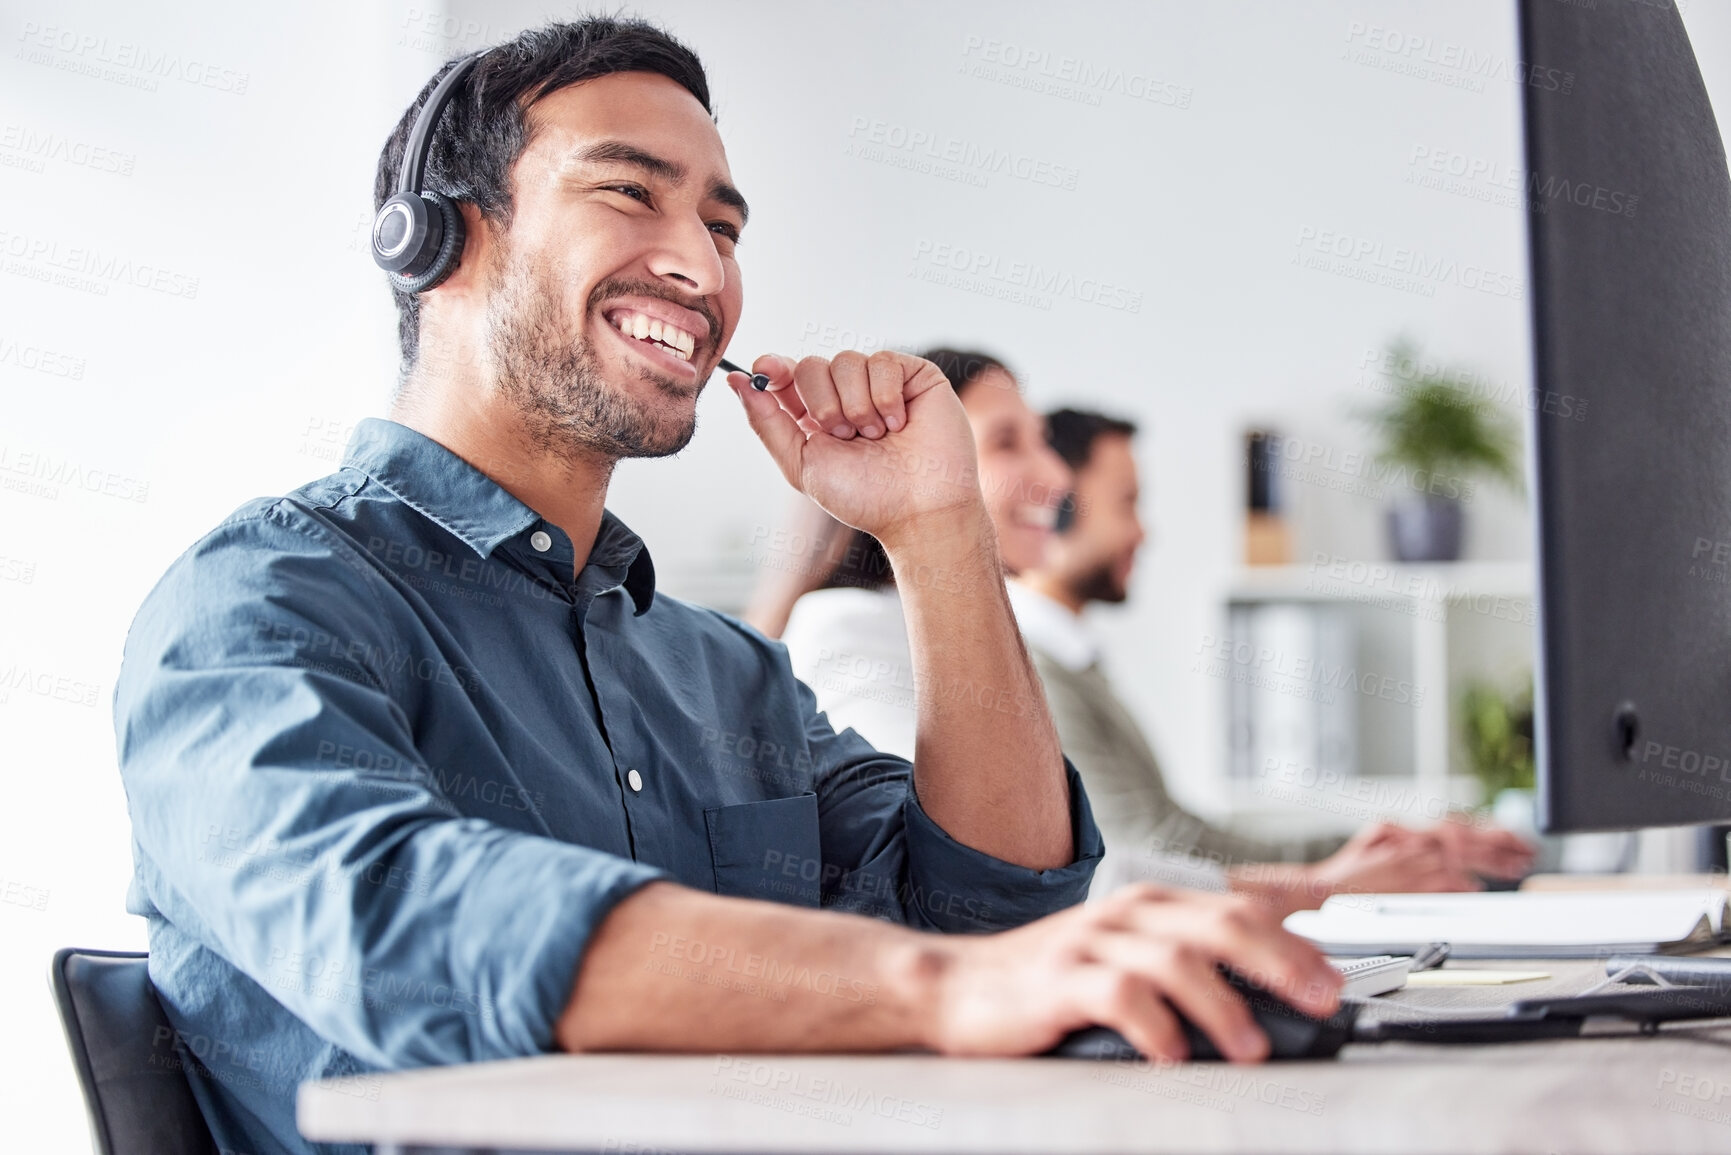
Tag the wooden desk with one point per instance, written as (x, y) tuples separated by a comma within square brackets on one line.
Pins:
[(1669, 1093)]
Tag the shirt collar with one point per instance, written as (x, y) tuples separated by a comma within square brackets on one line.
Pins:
[(1052, 629), (429, 478), (615, 545)]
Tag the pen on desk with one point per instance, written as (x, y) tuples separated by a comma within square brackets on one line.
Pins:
[(758, 381), (1431, 956)]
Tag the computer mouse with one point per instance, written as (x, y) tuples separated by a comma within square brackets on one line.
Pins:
[(1292, 1034)]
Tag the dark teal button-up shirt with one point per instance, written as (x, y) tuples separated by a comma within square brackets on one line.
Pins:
[(389, 764)]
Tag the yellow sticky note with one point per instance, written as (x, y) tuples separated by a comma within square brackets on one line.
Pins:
[(1471, 978)]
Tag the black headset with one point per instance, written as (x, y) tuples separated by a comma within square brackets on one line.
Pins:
[(1066, 519), (418, 236)]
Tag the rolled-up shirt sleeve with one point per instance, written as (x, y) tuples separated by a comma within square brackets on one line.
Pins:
[(999, 895), (261, 652), (885, 856)]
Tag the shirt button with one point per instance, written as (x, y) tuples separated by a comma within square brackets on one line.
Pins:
[(540, 541), (634, 780)]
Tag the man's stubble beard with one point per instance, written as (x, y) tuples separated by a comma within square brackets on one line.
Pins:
[(550, 372), (1100, 584)]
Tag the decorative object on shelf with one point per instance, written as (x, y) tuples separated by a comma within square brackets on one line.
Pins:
[(1403, 624), (1436, 438), (1267, 539), (1289, 708)]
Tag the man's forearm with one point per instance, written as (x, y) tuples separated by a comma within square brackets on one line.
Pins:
[(675, 969), (987, 765)]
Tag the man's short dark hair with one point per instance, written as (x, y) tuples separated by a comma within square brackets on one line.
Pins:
[(1073, 432), (485, 127)]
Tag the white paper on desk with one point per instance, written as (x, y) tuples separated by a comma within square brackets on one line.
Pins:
[(1513, 924)]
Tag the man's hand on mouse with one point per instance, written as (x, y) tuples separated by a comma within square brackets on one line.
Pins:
[(1386, 858), (1483, 848), (1134, 962), (1449, 856), (881, 442), (1381, 858)]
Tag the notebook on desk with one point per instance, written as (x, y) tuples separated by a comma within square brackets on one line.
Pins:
[(1517, 924)]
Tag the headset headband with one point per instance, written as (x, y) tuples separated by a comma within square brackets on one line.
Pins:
[(414, 168), (418, 236)]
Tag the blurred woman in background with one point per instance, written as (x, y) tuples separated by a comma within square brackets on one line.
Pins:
[(836, 608), (838, 612)]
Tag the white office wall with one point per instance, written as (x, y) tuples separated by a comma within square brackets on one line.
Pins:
[(193, 182), (198, 176), (1264, 131)]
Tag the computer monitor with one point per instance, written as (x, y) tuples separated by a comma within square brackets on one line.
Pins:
[(1630, 239)]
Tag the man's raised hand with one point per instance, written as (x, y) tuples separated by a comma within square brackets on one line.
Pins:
[(881, 442)]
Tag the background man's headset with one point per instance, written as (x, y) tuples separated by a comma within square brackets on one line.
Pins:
[(1066, 519), (418, 236)]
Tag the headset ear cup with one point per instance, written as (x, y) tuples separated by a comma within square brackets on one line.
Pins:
[(450, 252)]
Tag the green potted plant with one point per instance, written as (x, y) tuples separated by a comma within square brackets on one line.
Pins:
[(1498, 729), (1498, 733), (1436, 438)]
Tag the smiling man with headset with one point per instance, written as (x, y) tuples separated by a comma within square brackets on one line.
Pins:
[(423, 769)]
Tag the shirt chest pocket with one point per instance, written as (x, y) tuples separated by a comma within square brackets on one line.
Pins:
[(767, 850)]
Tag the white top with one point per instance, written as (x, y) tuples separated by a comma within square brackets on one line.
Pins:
[(851, 647), (1053, 630), (1051, 627)]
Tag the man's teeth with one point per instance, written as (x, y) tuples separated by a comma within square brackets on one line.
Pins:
[(645, 328)]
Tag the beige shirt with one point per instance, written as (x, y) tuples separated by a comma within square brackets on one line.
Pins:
[(1144, 826)]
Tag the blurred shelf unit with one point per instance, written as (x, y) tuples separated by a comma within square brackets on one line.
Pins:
[(1341, 679)]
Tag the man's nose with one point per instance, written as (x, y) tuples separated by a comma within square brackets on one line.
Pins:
[(685, 254)]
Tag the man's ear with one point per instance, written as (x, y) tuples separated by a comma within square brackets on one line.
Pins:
[(469, 276), (452, 312)]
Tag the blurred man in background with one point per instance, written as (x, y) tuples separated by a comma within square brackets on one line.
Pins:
[(1143, 824), (841, 618)]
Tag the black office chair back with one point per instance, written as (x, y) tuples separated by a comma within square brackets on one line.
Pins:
[(122, 1048)]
